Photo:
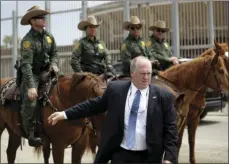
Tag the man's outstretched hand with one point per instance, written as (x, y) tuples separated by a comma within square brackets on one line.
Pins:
[(55, 117)]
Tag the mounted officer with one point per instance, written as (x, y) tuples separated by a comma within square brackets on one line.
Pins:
[(90, 54), (158, 47), (38, 54), (133, 45)]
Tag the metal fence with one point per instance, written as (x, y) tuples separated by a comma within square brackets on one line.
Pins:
[(194, 26)]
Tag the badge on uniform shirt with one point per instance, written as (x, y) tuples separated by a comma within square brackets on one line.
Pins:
[(76, 45), (143, 43), (100, 46), (123, 48), (26, 44), (148, 43), (166, 45), (49, 40)]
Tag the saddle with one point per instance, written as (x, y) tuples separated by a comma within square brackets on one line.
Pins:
[(10, 96)]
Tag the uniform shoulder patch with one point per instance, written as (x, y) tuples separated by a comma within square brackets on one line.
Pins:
[(76, 46), (26, 44), (49, 40), (123, 48), (143, 43), (148, 43), (166, 45), (100, 46)]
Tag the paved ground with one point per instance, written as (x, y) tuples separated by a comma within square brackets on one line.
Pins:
[(211, 144)]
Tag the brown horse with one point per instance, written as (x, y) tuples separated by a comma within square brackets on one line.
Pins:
[(79, 133), (196, 107)]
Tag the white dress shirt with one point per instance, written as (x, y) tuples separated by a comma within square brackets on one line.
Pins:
[(141, 118)]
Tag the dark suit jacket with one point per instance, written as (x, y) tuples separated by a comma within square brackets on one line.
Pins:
[(161, 128)]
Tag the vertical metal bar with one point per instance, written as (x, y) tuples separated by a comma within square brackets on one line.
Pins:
[(211, 22), (175, 28), (47, 7), (84, 12), (16, 29), (14, 45), (126, 12), (227, 24)]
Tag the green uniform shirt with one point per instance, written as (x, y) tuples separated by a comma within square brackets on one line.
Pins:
[(90, 56), (131, 48), (160, 51), (37, 51)]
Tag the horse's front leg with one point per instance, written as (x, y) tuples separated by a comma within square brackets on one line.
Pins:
[(13, 144), (79, 147), (193, 121), (180, 135), (46, 151), (58, 153)]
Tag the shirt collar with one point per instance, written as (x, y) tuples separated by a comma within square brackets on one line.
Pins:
[(134, 89), (89, 39), (133, 38), (35, 33)]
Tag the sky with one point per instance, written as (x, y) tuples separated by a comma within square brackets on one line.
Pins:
[(63, 25)]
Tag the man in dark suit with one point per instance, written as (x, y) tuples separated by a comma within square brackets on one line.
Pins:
[(141, 122)]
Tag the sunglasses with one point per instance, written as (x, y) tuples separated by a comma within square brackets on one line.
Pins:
[(135, 28), (160, 30)]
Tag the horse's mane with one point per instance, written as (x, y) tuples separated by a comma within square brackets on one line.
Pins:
[(209, 51)]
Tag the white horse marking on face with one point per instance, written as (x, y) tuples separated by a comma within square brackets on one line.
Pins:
[(226, 54)]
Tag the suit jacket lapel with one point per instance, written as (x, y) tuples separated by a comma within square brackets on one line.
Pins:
[(151, 103), (123, 96)]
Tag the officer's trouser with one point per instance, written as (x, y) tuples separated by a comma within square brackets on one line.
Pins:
[(28, 106)]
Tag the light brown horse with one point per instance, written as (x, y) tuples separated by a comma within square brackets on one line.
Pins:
[(70, 91), (196, 107)]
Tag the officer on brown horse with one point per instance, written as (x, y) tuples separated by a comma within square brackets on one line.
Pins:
[(38, 53)]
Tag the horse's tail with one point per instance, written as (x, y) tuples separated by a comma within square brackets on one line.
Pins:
[(38, 151)]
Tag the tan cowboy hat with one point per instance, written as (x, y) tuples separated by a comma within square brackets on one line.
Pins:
[(159, 25), (33, 12), (91, 20), (134, 20)]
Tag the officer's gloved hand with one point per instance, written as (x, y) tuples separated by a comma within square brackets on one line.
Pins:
[(32, 93), (155, 62), (110, 68), (55, 68)]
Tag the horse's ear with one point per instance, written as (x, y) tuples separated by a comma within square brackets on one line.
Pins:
[(217, 45), (217, 50), (77, 78)]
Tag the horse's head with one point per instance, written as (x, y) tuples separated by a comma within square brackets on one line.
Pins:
[(85, 86), (217, 77)]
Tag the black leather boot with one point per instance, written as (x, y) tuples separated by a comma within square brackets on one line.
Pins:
[(34, 141)]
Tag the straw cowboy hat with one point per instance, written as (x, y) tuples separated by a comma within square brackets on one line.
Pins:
[(134, 20), (33, 12), (91, 20), (159, 25)]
